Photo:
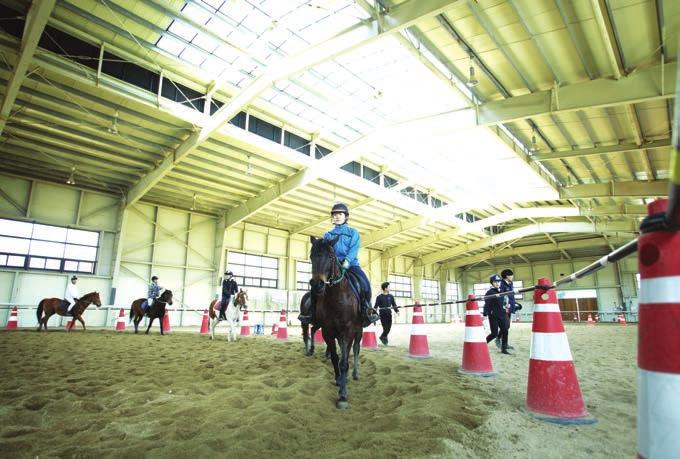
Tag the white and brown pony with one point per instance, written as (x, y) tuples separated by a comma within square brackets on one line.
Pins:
[(232, 313)]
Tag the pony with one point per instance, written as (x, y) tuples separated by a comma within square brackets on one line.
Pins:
[(232, 314), (52, 306), (153, 312), (337, 312)]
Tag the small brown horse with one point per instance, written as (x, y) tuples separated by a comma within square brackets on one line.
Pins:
[(53, 306), (337, 312), (153, 312), (231, 313)]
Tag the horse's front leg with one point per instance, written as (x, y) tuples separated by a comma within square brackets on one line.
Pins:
[(213, 323), (150, 322), (80, 319), (136, 321), (344, 367), (160, 322), (330, 345), (356, 347)]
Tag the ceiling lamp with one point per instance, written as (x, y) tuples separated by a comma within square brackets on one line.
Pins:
[(472, 79), (534, 146), (249, 169), (193, 202), (71, 179), (113, 129)]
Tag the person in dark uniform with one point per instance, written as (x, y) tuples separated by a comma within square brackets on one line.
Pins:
[(229, 288), (384, 303), (508, 301), (498, 318)]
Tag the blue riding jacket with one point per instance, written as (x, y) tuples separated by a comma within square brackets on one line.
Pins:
[(347, 247), (506, 286)]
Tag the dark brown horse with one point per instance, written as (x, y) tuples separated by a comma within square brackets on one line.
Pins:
[(232, 314), (52, 306), (336, 312), (157, 311)]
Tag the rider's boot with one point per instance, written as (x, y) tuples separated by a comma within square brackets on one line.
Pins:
[(368, 314)]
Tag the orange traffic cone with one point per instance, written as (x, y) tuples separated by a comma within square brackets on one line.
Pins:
[(245, 325), (368, 339), (205, 323), (318, 337), (658, 417), (12, 322), (418, 347), (590, 320), (120, 323), (622, 320), (166, 322), (476, 359), (282, 332), (553, 392)]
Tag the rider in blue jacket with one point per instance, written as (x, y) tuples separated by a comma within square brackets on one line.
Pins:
[(347, 251)]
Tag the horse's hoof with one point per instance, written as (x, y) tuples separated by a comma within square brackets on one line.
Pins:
[(355, 377), (342, 404)]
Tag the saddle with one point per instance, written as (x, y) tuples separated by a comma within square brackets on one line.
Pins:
[(145, 306), (355, 284), (64, 307)]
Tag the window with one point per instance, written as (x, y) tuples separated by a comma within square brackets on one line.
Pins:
[(254, 270), (400, 286), (452, 291), (50, 248), (321, 151), (517, 285), (303, 272), (389, 182), (295, 142), (264, 129), (353, 168), (429, 290), (481, 289), (371, 174)]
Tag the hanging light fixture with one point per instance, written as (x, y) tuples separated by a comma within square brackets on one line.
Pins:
[(472, 79), (534, 145), (113, 129), (193, 202), (249, 168), (71, 178)]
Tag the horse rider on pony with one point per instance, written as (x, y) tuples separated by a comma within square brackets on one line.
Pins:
[(347, 252), (154, 291), (72, 295)]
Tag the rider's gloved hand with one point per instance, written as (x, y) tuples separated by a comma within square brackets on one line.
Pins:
[(345, 265)]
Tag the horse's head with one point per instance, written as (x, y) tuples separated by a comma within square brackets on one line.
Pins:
[(324, 263), (242, 297), (166, 296), (92, 297)]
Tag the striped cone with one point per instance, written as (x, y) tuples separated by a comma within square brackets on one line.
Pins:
[(282, 332), (166, 322), (418, 347), (658, 398), (476, 359), (70, 325), (553, 392), (245, 325), (120, 323), (12, 321), (205, 323), (318, 337), (368, 339), (590, 320), (622, 320)]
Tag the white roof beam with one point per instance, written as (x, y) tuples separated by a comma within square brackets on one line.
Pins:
[(605, 150), (539, 248), (537, 228), (400, 17), (513, 214), (616, 189), (36, 19)]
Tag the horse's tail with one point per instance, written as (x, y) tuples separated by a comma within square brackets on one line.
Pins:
[(132, 311), (39, 311)]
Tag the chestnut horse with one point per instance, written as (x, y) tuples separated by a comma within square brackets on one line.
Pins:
[(232, 311), (337, 312), (153, 312), (53, 306)]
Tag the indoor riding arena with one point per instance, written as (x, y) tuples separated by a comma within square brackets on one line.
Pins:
[(339, 228)]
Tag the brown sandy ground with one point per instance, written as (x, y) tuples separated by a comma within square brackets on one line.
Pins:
[(98, 393)]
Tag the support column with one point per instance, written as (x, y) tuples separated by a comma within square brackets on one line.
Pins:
[(219, 253), (118, 250), (444, 310)]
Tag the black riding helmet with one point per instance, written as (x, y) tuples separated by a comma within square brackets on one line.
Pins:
[(154, 278), (494, 278), (340, 207)]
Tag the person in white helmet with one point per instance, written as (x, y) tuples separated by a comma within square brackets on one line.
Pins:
[(72, 295)]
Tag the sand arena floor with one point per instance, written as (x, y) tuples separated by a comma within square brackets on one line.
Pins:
[(98, 393)]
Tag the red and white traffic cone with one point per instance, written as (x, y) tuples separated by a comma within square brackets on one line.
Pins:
[(622, 320), (553, 392), (245, 325), (12, 321), (166, 322), (120, 322), (205, 323), (368, 339), (476, 359), (282, 332), (590, 320), (658, 417), (418, 347), (318, 337), (70, 324)]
